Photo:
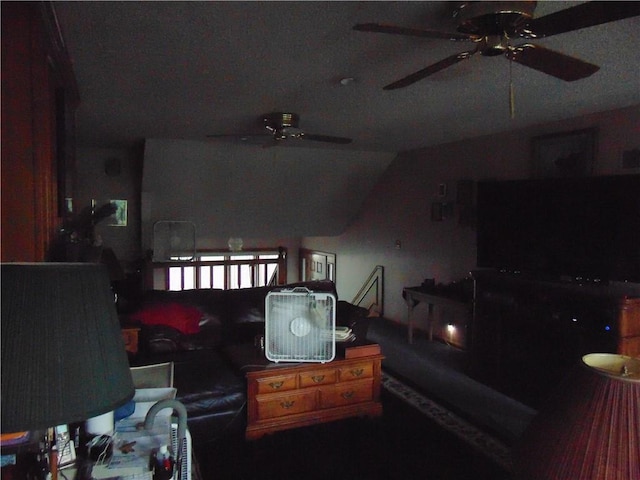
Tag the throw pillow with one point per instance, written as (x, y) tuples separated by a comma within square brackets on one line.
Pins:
[(183, 318)]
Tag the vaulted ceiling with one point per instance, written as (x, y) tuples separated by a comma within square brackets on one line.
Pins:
[(185, 70)]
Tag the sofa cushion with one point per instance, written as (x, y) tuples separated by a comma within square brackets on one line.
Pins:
[(212, 391), (208, 384), (349, 311), (212, 303), (184, 318), (246, 305), (156, 339), (227, 317), (316, 286)]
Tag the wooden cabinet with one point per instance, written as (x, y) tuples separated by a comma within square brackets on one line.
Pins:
[(284, 396), (527, 334), (130, 337), (38, 96)]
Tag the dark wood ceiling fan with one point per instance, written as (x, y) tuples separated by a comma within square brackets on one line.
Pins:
[(492, 26), (282, 126)]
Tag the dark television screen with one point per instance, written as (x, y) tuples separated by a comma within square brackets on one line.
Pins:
[(562, 227)]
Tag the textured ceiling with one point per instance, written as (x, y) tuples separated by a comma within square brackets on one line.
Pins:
[(187, 69)]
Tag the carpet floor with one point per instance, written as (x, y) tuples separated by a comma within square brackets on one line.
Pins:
[(439, 370), (413, 439)]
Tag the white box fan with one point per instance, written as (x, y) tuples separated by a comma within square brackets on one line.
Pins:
[(174, 240), (183, 469), (300, 325)]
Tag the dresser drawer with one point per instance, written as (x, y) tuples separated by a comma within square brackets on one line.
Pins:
[(273, 406), (356, 371), (275, 384), (347, 393), (319, 377), (629, 323), (280, 397)]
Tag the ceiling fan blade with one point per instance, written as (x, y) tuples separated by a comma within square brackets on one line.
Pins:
[(414, 32), (581, 16), (552, 63), (247, 139), (325, 138), (238, 135), (430, 70)]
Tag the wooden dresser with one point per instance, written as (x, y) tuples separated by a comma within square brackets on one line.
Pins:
[(283, 396)]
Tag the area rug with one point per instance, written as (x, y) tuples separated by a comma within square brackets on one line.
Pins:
[(470, 434)]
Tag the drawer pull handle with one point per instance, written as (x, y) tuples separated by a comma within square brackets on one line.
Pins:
[(347, 395), (287, 404), (356, 372), (317, 378), (276, 385)]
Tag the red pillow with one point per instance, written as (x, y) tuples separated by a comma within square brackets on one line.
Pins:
[(184, 318)]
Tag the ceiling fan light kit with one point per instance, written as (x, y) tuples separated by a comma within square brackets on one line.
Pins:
[(494, 25), (493, 18), (284, 126)]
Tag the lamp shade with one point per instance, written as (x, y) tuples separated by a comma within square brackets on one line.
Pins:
[(63, 356), (590, 427)]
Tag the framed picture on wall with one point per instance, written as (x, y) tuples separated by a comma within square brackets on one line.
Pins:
[(119, 218), (567, 154)]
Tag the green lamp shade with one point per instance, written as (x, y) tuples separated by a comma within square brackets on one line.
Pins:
[(63, 356)]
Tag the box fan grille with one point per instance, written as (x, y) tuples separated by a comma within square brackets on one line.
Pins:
[(183, 468), (173, 240), (300, 326)]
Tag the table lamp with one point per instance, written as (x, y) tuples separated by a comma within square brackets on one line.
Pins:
[(63, 356), (590, 427)]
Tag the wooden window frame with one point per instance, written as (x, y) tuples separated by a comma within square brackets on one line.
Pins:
[(159, 273)]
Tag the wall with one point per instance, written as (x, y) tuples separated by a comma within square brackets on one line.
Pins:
[(94, 183), (253, 192), (269, 197), (398, 207)]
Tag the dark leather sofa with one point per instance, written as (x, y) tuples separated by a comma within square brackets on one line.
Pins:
[(193, 329)]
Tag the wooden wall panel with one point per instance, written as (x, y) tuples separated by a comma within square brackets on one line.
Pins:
[(18, 206), (30, 78)]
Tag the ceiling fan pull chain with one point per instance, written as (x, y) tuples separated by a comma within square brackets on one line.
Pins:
[(512, 104)]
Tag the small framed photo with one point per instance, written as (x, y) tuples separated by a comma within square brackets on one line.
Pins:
[(119, 218), (567, 154)]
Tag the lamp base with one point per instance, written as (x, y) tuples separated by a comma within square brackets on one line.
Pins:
[(100, 425)]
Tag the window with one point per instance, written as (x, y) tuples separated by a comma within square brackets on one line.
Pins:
[(223, 270)]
